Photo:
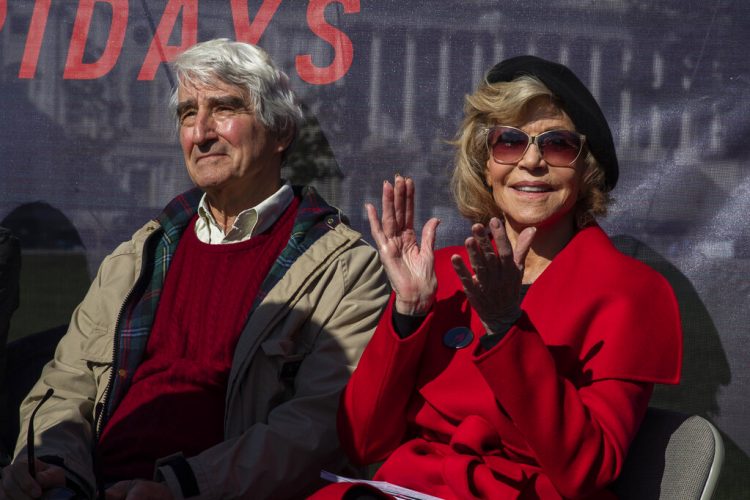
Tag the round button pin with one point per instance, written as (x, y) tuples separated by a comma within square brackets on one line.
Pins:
[(458, 338)]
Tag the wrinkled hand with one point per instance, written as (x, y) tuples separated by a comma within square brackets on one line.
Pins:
[(493, 289), (17, 483), (138, 489), (410, 267)]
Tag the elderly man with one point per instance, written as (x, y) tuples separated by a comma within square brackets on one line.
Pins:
[(208, 356)]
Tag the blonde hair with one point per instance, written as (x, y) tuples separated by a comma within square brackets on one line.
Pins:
[(507, 102)]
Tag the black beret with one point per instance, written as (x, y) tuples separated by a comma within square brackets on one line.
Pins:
[(576, 100)]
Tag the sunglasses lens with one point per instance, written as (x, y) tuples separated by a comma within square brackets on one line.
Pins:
[(559, 148), (507, 144)]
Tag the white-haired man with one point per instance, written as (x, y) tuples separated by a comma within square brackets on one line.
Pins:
[(207, 358)]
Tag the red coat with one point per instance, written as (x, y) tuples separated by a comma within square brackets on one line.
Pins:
[(548, 412)]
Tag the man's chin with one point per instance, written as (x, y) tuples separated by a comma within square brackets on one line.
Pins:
[(211, 186)]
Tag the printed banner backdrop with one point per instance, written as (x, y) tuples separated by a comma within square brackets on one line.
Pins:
[(89, 149)]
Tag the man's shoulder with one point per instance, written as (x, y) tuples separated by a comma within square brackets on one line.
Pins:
[(172, 219), (343, 241), (316, 217), (135, 243), (327, 229)]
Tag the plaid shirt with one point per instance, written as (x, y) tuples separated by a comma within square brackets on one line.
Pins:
[(314, 218)]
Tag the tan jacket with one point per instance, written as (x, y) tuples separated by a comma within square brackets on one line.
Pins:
[(279, 431)]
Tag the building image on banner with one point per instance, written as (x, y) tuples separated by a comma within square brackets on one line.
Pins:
[(87, 131)]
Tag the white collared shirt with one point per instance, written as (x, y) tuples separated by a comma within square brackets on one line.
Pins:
[(248, 223)]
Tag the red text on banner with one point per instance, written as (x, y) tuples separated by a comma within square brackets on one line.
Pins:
[(342, 44), (75, 68), (251, 33), (159, 51), (34, 40), (3, 12)]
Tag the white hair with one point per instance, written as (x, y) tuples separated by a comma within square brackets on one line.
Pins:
[(248, 67)]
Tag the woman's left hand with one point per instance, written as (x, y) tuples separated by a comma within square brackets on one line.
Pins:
[(494, 286)]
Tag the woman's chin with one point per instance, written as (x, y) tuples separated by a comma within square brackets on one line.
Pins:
[(544, 221)]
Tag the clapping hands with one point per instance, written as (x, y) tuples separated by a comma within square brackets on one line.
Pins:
[(493, 283), (409, 264), (493, 288)]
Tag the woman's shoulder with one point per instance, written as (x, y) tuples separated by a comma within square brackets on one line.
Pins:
[(626, 304), (601, 277), (592, 253)]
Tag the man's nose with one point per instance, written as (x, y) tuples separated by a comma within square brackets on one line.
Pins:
[(204, 128)]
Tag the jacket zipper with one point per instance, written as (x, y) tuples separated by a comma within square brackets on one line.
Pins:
[(100, 412)]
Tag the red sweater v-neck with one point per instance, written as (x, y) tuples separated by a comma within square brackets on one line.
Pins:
[(176, 401)]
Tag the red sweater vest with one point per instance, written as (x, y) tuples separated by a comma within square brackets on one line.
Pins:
[(176, 401)]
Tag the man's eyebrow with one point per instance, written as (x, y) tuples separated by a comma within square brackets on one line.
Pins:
[(231, 101), (184, 106)]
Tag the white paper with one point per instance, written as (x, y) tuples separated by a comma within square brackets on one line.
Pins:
[(384, 486)]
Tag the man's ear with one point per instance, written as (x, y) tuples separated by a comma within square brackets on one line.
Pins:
[(285, 140)]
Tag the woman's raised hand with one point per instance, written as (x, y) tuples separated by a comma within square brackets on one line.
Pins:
[(493, 289), (410, 267)]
